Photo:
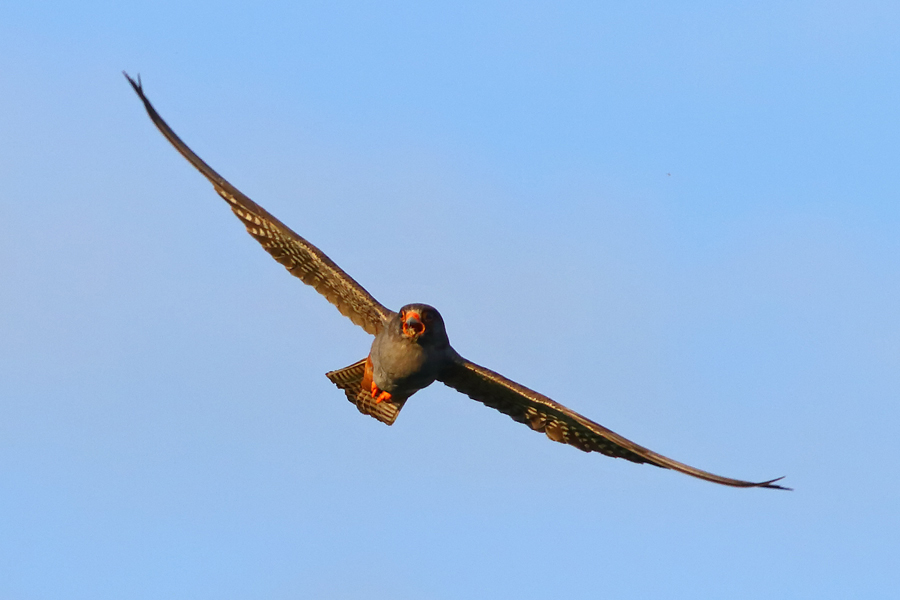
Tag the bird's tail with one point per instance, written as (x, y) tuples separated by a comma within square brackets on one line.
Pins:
[(350, 379)]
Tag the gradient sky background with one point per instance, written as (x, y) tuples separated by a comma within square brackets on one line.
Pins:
[(680, 220)]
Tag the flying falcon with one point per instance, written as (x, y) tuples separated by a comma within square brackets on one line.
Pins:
[(411, 349)]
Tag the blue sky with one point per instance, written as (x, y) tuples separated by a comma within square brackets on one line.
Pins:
[(681, 220)]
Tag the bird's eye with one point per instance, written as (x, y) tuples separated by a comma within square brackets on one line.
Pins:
[(428, 316)]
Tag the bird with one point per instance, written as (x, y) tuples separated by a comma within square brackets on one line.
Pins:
[(411, 349)]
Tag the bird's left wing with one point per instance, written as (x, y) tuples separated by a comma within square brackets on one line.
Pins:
[(298, 256), (561, 424)]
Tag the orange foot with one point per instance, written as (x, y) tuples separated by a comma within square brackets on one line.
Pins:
[(380, 395)]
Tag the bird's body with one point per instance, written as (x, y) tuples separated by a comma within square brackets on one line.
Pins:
[(411, 349), (404, 362)]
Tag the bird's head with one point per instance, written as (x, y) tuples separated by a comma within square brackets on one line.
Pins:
[(422, 324)]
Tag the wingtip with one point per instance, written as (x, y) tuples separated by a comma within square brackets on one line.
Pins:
[(771, 485), (137, 85)]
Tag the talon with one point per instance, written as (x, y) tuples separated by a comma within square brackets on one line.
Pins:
[(380, 395)]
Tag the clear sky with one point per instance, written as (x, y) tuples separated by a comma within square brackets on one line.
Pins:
[(680, 219)]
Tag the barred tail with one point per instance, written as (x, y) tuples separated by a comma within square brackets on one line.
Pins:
[(351, 380)]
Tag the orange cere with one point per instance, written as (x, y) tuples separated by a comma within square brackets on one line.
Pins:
[(418, 328)]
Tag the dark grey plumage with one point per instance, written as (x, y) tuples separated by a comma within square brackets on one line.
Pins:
[(404, 364), (411, 349)]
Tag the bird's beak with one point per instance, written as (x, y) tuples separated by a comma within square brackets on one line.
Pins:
[(413, 325)]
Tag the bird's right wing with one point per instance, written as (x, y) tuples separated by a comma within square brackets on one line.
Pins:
[(562, 424), (298, 256)]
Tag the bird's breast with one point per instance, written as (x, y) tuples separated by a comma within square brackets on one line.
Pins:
[(402, 367)]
